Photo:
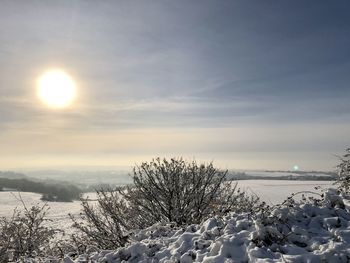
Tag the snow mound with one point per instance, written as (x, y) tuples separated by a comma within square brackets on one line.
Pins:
[(295, 232)]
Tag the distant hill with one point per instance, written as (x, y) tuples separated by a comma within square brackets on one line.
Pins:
[(283, 175), (12, 175), (83, 177), (50, 192)]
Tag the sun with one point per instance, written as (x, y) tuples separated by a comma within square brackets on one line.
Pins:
[(56, 89)]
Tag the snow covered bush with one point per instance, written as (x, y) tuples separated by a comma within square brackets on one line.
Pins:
[(344, 172), (280, 221), (25, 234), (103, 224), (173, 191), (181, 192), (73, 246), (295, 232)]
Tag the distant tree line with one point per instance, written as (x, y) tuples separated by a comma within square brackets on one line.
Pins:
[(13, 175), (50, 192)]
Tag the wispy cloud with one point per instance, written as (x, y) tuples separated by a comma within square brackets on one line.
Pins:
[(175, 77)]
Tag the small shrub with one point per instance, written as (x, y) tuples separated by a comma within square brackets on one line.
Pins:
[(24, 234), (164, 191), (178, 191), (344, 172), (73, 246), (104, 223)]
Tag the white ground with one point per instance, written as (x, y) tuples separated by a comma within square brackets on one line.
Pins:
[(58, 212), (270, 191), (299, 233), (302, 234), (276, 191)]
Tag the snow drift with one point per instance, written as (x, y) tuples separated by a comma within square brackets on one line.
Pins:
[(304, 232)]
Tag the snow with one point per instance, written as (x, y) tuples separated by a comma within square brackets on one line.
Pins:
[(304, 233), (270, 191), (276, 191), (58, 212), (297, 233)]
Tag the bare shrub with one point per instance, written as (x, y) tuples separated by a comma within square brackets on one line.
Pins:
[(163, 191), (25, 233), (233, 199), (104, 223), (344, 172), (182, 192), (72, 246)]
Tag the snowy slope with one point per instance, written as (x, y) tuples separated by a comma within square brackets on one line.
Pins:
[(304, 233)]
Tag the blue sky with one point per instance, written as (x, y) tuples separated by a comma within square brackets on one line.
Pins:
[(258, 84)]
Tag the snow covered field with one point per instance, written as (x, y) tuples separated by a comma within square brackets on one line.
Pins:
[(303, 233), (276, 191), (270, 191), (58, 212)]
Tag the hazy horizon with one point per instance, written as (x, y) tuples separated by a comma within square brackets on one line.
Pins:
[(128, 168), (247, 85)]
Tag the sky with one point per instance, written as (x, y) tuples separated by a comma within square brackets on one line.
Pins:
[(245, 84)]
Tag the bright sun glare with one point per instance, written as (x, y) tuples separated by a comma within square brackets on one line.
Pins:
[(56, 89)]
